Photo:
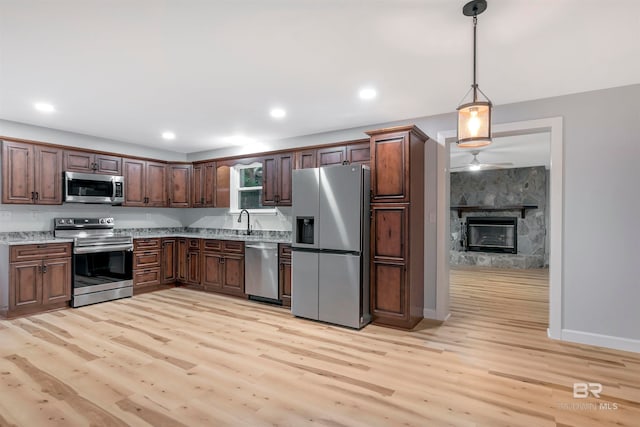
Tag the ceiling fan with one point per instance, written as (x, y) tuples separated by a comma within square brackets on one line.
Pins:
[(476, 165)]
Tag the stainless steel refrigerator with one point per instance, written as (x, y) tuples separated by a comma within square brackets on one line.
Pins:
[(330, 249)]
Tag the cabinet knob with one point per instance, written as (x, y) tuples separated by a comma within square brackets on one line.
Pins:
[(44, 268)]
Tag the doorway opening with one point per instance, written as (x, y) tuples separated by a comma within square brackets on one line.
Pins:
[(460, 198)]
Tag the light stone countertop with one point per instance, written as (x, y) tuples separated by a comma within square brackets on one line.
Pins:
[(43, 237)]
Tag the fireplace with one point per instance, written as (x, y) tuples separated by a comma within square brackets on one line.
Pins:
[(492, 234)]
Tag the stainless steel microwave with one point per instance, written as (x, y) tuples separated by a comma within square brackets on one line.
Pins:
[(93, 188)]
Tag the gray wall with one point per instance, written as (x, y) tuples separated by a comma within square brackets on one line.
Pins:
[(601, 199), (52, 136)]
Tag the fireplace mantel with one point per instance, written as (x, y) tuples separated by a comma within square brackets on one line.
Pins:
[(469, 208)]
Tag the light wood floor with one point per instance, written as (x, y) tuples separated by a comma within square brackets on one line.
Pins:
[(183, 358)]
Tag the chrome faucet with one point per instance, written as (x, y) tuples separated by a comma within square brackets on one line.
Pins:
[(248, 220)]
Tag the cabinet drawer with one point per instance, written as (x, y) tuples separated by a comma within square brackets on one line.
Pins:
[(212, 245), (193, 243), (233, 246), (284, 251), (146, 277), (146, 259), (146, 244), (41, 251)]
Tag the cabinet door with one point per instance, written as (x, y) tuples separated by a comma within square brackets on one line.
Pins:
[(56, 280), (25, 288), (359, 153), (389, 232), (197, 186), (182, 254), (193, 267), (212, 266), (284, 281), (223, 183), (389, 293), (390, 167), (233, 274), (48, 175), (108, 165), (179, 186), (78, 161), (134, 183), (209, 185), (331, 155), (156, 184), (305, 159), (270, 181), (17, 173), (285, 166), (168, 267)]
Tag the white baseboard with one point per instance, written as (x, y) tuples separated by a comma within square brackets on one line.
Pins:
[(589, 338), (429, 313)]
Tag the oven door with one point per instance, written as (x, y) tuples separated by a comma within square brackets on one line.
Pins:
[(104, 270)]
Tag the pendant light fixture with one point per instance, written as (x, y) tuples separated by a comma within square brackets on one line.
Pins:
[(474, 113)]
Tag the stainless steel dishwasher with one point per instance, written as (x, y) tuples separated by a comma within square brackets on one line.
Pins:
[(261, 270)]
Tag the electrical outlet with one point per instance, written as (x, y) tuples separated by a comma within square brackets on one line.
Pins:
[(5, 215)]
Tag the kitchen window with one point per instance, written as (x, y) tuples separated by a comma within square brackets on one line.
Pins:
[(246, 188)]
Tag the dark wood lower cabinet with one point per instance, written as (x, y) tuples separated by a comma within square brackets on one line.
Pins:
[(233, 275), (38, 279), (212, 271), (223, 266), (284, 274), (168, 266), (193, 267)]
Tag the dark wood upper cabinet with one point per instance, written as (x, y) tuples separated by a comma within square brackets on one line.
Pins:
[(156, 184), (390, 167), (135, 193), (87, 162), (145, 183), (276, 180), (31, 174), (179, 185), (223, 186), (359, 153), (331, 156), (305, 159), (17, 173), (203, 185), (48, 175)]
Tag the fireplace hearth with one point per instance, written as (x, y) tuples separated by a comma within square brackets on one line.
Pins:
[(492, 234)]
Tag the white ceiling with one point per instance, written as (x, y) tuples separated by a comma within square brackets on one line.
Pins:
[(131, 69), (519, 150)]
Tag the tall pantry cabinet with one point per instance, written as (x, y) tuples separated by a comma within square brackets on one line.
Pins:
[(397, 225)]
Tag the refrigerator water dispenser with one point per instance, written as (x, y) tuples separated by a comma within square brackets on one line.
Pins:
[(304, 228)]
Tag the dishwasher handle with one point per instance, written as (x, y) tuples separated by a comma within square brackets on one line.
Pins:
[(261, 246)]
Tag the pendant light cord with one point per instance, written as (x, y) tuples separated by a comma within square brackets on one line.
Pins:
[(475, 85)]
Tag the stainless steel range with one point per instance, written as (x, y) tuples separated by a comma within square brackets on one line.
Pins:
[(102, 261)]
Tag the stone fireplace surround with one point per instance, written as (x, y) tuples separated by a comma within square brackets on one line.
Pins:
[(498, 188)]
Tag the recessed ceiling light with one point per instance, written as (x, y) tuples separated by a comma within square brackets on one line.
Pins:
[(44, 107), (168, 135), (238, 140), (278, 113), (368, 93)]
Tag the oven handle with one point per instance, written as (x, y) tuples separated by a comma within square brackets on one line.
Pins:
[(104, 248)]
